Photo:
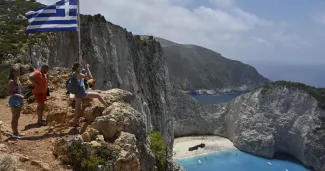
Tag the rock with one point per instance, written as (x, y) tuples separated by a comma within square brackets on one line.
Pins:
[(117, 95), (61, 147), (3, 147), (175, 166), (45, 167), (41, 165), (100, 138), (95, 144), (57, 115), (51, 129), (8, 162), (22, 158), (86, 137), (92, 133), (84, 127), (120, 117), (128, 158), (78, 140), (20, 170), (92, 113)]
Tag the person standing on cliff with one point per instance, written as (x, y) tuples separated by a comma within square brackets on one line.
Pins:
[(40, 91), (81, 92), (16, 101)]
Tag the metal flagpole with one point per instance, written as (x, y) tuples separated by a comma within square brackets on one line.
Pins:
[(79, 37)]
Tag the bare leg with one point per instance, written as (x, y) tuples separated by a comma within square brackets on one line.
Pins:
[(14, 120), (40, 111), (77, 111), (94, 95)]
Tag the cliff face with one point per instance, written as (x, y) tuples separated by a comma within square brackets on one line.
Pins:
[(118, 60), (264, 122), (193, 67)]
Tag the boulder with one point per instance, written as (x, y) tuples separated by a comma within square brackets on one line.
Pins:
[(86, 137), (92, 113), (41, 165), (117, 95), (22, 158), (8, 162), (119, 117), (128, 158), (61, 146)]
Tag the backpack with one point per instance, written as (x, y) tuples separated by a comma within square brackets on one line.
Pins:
[(72, 84)]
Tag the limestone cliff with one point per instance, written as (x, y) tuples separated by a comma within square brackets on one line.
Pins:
[(193, 67), (118, 59), (281, 118)]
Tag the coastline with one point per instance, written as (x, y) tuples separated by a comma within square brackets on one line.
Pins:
[(212, 144)]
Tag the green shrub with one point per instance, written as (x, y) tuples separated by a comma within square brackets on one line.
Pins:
[(13, 25), (84, 160), (30, 99), (4, 74), (158, 147)]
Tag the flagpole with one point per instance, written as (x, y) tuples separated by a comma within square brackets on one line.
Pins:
[(79, 37)]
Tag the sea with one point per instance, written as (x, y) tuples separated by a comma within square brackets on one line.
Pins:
[(235, 160)]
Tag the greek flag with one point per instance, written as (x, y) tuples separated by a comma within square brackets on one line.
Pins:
[(61, 16)]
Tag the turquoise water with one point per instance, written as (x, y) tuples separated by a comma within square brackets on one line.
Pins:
[(229, 161)]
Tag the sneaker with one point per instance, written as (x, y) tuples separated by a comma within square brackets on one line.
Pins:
[(42, 123), (15, 136)]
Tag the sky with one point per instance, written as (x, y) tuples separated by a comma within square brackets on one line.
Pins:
[(286, 31)]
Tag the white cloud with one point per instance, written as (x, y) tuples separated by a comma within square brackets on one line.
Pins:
[(220, 25), (291, 40), (262, 41)]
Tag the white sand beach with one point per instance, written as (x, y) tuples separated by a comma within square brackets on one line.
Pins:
[(212, 144)]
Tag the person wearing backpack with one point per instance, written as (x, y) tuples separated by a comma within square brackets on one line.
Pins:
[(76, 86)]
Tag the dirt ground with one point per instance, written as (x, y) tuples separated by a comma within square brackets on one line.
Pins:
[(37, 143)]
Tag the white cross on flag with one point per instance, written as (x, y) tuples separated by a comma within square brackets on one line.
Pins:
[(62, 16)]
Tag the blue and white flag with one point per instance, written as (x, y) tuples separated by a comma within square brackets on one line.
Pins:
[(61, 16)]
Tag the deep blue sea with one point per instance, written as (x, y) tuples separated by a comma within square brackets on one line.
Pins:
[(229, 161)]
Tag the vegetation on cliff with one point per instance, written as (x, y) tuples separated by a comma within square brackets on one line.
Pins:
[(317, 93), (85, 158), (13, 24), (159, 148)]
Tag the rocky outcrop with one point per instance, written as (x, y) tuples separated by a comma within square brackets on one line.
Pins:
[(285, 118), (118, 125), (129, 158), (118, 59)]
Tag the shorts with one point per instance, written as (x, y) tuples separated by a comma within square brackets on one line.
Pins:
[(40, 98), (16, 102), (81, 94)]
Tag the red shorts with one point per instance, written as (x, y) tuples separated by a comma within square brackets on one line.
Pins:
[(40, 98)]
